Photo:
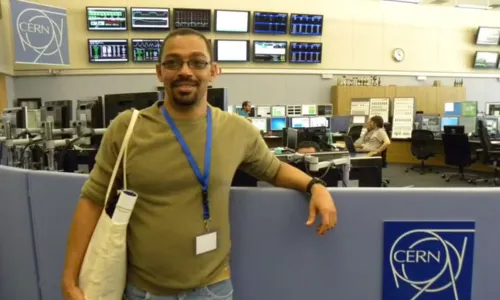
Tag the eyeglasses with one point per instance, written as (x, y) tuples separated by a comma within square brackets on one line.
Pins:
[(176, 64)]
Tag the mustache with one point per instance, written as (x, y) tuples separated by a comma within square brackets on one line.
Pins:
[(184, 81)]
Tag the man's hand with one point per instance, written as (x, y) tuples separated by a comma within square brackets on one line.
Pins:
[(72, 292), (358, 146), (322, 204), (372, 153)]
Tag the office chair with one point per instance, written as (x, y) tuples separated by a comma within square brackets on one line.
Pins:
[(457, 153), (385, 181), (355, 132), (489, 154), (422, 147)]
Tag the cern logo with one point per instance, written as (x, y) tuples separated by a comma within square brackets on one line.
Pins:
[(429, 263), (41, 35)]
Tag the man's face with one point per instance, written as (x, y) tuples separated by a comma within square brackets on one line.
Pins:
[(306, 150), (185, 69), (248, 107), (369, 125)]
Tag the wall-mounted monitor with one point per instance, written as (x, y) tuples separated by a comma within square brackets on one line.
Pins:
[(199, 19), (146, 50), (485, 60), (309, 110), (232, 21), (278, 111), (105, 51), (106, 18), (270, 22), (145, 18), (269, 51), (301, 24), (305, 52), (232, 50), (488, 36)]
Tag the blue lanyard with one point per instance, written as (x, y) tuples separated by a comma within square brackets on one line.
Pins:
[(203, 179)]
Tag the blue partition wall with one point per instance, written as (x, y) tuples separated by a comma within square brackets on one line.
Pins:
[(275, 256), (18, 274)]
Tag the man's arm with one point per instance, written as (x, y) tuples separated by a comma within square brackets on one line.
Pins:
[(91, 203), (386, 141)]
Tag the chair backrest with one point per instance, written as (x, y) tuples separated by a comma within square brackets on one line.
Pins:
[(456, 149), (349, 144), (355, 132), (422, 143), (384, 158), (485, 141), (388, 129)]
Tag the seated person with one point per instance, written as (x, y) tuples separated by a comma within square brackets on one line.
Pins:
[(375, 140), (307, 147)]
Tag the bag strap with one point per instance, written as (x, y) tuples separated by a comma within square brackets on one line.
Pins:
[(123, 150)]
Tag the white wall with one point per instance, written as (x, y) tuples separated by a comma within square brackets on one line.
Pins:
[(257, 88)]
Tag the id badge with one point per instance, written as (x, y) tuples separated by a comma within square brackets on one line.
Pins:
[(206, 242)]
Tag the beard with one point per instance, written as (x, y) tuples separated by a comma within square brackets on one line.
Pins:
[(185, 92)]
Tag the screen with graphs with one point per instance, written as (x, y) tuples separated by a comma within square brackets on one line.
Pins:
[(306, 24), (199, 19), (146, 50), (150, 18), (267, 51), (106, 18), (305, 53), (101, 51), (269, 22)]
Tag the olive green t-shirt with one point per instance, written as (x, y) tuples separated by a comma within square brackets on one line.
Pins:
[(168, 215)]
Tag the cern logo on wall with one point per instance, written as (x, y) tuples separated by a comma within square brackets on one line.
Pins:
[(40, 33), (428, 260)]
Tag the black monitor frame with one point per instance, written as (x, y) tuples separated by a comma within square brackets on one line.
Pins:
[(150, 29), (287, 21), (290, 27), (249, 24), (216, 49), (193, 9), (108, 30), (109, 62)]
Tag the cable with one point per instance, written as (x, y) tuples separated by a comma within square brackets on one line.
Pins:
[(30, 143)]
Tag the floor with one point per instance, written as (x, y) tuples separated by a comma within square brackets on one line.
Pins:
[(399, 178)]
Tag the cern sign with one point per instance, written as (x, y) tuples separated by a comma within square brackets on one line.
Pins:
[(40, 34)]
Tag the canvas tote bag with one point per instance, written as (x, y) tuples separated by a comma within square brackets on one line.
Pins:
[(103, 273)]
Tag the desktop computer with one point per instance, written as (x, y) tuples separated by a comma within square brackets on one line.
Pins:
[(117, 103), (448, 121), (300, 122), (277, 124), (340, 124), (260, 123), (319, 122), (469, 124)]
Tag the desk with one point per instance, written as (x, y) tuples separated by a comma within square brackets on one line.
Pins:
[(400, 152)]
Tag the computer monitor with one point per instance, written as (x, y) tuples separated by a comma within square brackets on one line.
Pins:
[(260, 123), (469, 123), (278, 111), (218, 97), (292, 137), (340, 123), (116, 103), (309, 110), (300, 122), (277, 124), (431, 123), (454, 129), (493, 109), (448, 121), (358, 120), (263, 111), (319, 122), (33, 118), (59, 112), (325, 109), (469, 108), (453, 109), (492, 125)]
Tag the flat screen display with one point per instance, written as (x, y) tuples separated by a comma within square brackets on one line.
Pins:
[(485, 60), (260, 123), (300, 122), (270, 22), (232, 21), (319, 122), (273, 52), (305, 53), (198, 19), (144, 18), (146, 50), (278, 124), (103, 51), (488, 36), (309, 110), (107, 18), (232, 50), (306, 24)]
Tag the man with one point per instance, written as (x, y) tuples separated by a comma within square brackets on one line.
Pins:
[(307, 147), (179, 204), (246, 108), (375, 140)]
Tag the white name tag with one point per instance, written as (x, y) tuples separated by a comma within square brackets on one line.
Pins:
[(206, 243)]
